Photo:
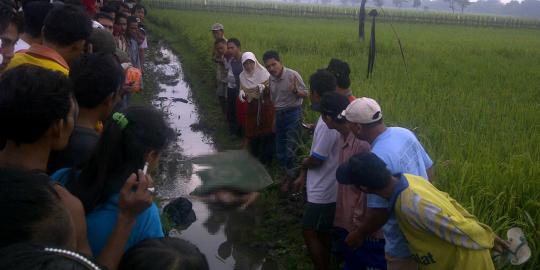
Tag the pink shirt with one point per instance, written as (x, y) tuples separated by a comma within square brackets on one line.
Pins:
[(351, 203), (349, 198)]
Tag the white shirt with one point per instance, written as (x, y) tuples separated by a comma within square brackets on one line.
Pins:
[(231, 81), (321, 181), (21, 45), (97, 25), (144, 44)]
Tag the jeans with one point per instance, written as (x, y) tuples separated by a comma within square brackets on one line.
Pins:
[(368, 256), (287, 138)]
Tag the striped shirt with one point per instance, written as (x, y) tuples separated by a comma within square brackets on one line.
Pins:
[(441, 234)]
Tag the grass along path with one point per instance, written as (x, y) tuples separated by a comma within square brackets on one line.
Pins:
[(470, 94)]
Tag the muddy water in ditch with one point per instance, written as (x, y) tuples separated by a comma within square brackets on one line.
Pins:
[(217, 231)]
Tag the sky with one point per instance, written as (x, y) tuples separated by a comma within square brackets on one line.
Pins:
[(502, 1)]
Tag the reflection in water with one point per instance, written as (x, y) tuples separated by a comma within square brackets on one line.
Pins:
[(180, 212), (218, 230), (234, 225)]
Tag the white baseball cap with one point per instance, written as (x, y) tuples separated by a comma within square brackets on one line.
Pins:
[(363, 110)]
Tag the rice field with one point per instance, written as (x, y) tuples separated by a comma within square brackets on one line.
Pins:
[(472, 96), (351, 12)]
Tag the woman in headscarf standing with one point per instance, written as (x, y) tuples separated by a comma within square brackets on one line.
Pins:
[(259, 114)]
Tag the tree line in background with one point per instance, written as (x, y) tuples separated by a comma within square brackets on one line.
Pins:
[(526, 8)]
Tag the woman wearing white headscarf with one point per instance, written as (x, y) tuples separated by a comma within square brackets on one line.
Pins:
[(259, 114)]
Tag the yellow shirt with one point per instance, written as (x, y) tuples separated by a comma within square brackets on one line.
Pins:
[(441, 234), (39, 55)]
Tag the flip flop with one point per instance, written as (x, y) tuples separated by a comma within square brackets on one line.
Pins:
[(520, 252)]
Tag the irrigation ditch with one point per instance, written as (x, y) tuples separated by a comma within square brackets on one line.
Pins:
[(268, 234)]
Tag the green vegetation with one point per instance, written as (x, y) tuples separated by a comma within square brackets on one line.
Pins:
[(470, 94), (328, 11)]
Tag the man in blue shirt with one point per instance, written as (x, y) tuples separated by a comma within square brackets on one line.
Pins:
[(402, 152)]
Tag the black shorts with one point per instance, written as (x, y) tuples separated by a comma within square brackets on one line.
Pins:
[(319, 217)]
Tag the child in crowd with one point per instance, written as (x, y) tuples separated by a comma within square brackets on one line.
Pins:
[(132, 139)]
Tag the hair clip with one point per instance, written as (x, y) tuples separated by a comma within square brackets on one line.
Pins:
[(120, 119)]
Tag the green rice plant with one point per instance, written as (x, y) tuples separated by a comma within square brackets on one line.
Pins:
[(470, 94)]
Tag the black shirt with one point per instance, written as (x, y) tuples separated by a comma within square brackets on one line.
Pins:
[(78, 151)]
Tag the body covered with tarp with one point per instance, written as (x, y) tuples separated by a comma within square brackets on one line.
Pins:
[(233, 170)]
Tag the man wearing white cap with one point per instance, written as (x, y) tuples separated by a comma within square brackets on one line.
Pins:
[(402, 152)]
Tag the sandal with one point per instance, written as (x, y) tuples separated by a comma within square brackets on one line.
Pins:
[(519, 251)]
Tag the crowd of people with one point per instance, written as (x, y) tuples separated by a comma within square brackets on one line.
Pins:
[(75, 155), (370, 198)]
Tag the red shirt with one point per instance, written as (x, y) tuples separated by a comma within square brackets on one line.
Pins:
[(90, 6)]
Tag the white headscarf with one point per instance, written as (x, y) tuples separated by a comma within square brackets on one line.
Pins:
[(258, 76)]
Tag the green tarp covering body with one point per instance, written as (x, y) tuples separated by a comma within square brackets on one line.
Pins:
[(233, 170)]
